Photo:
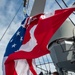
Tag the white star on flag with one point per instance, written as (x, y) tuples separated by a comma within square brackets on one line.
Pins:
[(18, 33), (11, 40), (21, 38), (13, 45)]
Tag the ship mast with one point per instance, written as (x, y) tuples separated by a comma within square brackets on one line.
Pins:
[(38, 7)]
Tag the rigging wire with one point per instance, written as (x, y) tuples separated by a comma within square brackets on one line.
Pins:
[(62, 8), (42, 69), (44, 63), (35, 64), (10, 23), (66, 4), (48, 62), (58, 4), (39, 64)]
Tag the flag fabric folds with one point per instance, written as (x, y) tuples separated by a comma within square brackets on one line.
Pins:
[(39, 31), (17, 66)]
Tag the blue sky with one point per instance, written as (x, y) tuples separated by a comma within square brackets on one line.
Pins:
[(8, 9)]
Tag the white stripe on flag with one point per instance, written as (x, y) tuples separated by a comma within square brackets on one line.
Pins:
[(22, 67), (31, 43)]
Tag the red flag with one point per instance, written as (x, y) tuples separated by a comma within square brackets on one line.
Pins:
[(48, 26), (38, 34), (44, 30)]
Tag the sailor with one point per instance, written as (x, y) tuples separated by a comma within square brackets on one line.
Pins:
[(41, 73), (55, 73)]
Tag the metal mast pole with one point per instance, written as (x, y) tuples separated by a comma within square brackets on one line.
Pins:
[(38, 7)]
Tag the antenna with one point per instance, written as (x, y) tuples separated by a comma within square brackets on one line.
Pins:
[(25, 5)]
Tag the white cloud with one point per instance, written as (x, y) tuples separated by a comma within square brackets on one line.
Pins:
[(2, 3), (30, 5), (51, 6), (5, 40), (10, 9)]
